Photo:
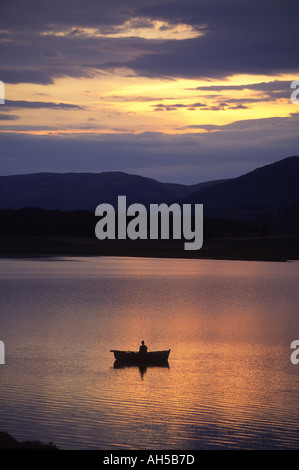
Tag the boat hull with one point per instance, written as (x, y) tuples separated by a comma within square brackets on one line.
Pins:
[(132, 357)]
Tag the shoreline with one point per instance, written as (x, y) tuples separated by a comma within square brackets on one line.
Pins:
[(268, 248), (8, 442)]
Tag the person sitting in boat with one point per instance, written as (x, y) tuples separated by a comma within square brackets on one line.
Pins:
[(143, 348)]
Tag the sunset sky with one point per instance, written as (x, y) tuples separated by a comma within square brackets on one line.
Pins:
[(178, 90)]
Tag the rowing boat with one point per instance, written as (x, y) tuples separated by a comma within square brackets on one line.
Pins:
[(134, 357)]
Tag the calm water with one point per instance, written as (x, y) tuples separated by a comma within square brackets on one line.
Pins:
[(230, 381)]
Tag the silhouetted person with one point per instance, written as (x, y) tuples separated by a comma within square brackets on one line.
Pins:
[(143, 348)]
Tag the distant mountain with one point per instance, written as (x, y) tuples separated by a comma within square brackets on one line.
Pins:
[(254, 216), (262, 192), (84, 191), (268, 191)]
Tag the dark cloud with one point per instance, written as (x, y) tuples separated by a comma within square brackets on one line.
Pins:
[(239, 106), (49, 15), (223, 151), (215, 56), (29, 57), (8, 117), (265, 92), (240, 37), (256, 37), (168, 107), (39, 104), (217, 107), (274, 85), (270, 91), (123, 98), (43, 41), (174, 107), (20, 75), (250, 124)]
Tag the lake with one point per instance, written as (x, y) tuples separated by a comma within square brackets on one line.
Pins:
[(229, 383)]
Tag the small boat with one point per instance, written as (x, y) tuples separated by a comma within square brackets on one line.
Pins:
[(134, 357)]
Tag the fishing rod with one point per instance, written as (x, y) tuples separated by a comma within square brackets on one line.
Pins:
[(153, 340)]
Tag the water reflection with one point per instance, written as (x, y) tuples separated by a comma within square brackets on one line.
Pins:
[(231, 383), (142, 367)]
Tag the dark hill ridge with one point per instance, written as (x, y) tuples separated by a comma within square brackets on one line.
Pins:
[(254, 216), (84, 191), (266, 190)]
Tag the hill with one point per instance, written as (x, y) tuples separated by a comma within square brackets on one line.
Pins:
[(254, 216), (84, 191), (264, 192)]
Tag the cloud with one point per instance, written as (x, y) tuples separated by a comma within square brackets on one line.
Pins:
[(174, 107), (274, 85), (268, 91), (271, 91), (252, 124), (39, 104), (8, 117), (222, 151), (26, 57), (82, 37), (202, 106), (171, 107), (238, 106), (64, 13), (170, 39), (240, 37)]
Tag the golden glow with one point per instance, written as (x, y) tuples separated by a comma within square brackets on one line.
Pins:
[(135, 27), (124, 103)]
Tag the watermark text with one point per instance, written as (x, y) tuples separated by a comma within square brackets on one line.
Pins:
[(295, 354), (163, 222), (2, 93), (2, 353), (295, 93)]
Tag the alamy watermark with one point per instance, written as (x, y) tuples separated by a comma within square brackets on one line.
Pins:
[(2, 353), (162, 222), (2, 93), (295, 93), (295, 354)]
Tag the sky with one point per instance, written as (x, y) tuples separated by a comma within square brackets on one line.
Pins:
[(177, 90)]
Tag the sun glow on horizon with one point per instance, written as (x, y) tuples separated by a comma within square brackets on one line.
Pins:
[(113, 103)]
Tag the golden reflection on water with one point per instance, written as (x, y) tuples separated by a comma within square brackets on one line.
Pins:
[(228, 390), (230, 383)]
